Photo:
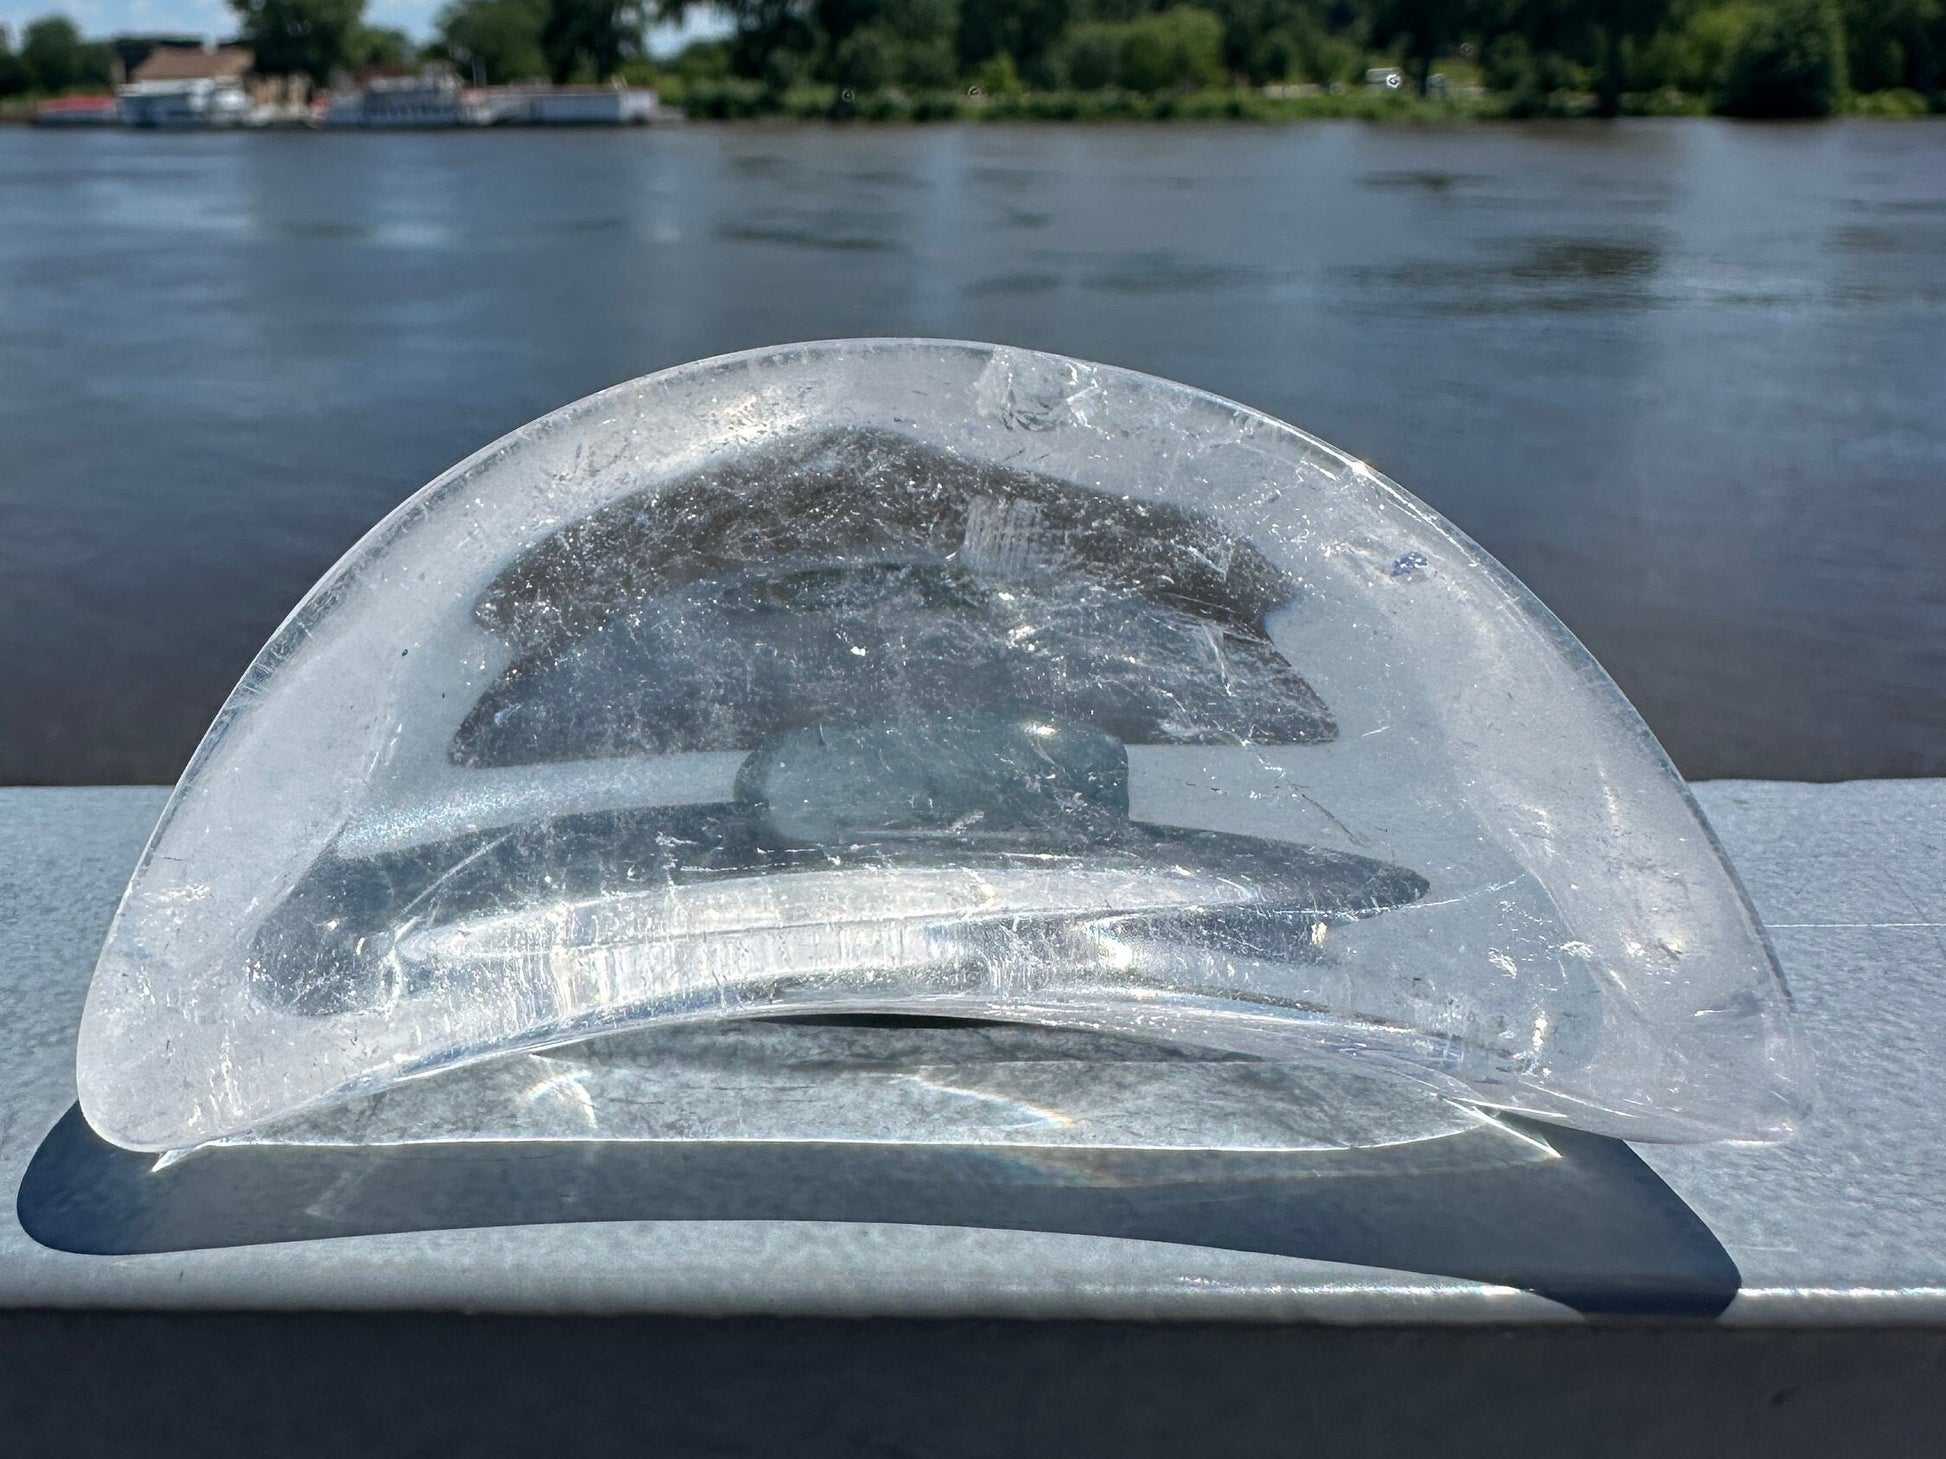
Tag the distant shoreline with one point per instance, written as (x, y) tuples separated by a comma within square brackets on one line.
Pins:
[(738, 101), (732, 102)]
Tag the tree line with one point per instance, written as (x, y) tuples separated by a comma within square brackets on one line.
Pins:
[(319, 38), (1754, 57)]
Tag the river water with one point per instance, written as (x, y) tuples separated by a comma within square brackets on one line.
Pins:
[(1687, 379)]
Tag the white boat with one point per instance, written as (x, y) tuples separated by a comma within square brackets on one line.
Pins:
[(435, 98), (77, 111), (593, 106), (432, 99), (202, 101)]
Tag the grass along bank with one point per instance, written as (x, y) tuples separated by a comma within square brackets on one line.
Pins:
[(732, 100)]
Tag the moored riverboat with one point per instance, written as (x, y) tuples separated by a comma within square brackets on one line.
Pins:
[(203, 101), (77, 111)]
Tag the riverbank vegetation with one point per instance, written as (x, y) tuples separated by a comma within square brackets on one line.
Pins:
[(1130, 59), (1257, 59)]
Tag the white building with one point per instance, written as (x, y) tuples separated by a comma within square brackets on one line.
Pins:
[(206, 101), (187, 86)]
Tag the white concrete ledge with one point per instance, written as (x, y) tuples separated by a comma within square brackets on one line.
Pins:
[(1847, 1225)]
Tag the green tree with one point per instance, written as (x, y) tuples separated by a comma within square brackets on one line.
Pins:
[(54, 58), (591, 37), (870, 44), (382, 46), (1277, 40), (1422, 29), (13, 71), (1533, 48), (1090, 56), (1325, 54), (1789, 63), (998, 76), (867, 59), (703, 61), (1027, 30), (1180, 47), (495, 41), (770, 40), (1562, 37), (1692, 52), (315, 38), (1615, 26), (1892, 43)]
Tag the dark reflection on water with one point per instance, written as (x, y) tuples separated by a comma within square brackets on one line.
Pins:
[(1027, 283), (830, 232), (1587, 258), (1684, 378), (1154, 271), (1430, 181), (1550, 275)]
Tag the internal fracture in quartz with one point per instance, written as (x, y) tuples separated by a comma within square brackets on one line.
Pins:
[(934, 668)]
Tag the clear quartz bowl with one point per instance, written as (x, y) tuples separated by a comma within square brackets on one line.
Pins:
[(905, 677)]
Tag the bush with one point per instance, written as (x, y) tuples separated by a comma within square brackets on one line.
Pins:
[(1508, 67), (1271, 57), (1789, 63), (868, 59), (931, 65), (1695, 56), (1897, 102), (725, 100), (1539, 83), (886, 106), (1091, 58), (810, 101), (703, 61), (938, 106), (998, 76), (784, 69), (1067, 106), (1206, 106), (1324, 58), (1666, 101), (1179, 49)]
